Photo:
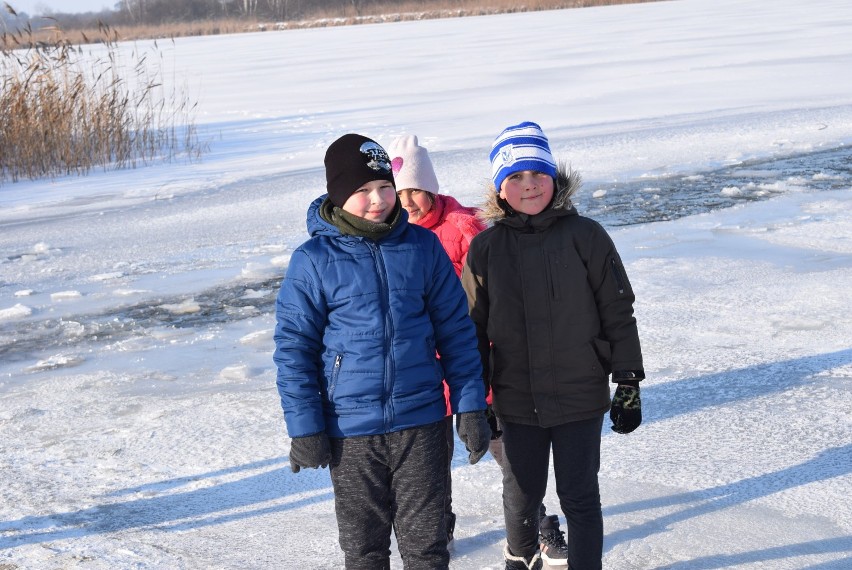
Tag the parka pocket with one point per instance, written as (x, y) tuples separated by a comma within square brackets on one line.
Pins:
[(598, 367), (567, 276), (603, 351), (493, 366), (581, 362), (432, 353), (556, 268), (335, 372), (619, 276)]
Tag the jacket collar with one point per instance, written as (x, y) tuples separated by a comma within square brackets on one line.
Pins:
[(318, 225)]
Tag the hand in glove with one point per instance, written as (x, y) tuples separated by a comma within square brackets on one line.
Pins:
[(475, 433), (311, 451), (496, 432), (626, 410)]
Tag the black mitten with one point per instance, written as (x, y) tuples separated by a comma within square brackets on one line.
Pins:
[(475, 433), (311, 451), (496, 432), (626, 410)]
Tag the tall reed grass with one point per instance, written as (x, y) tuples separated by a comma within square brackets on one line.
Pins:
[(64, 112)]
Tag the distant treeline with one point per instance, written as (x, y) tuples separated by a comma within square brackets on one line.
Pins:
[(162, 12)]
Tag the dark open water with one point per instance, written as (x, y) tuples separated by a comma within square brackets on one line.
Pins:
[(659, 199)]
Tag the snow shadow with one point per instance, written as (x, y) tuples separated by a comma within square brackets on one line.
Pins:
[(211, 503), (672, 399), (691, 395), (831, 463), (827, 546)]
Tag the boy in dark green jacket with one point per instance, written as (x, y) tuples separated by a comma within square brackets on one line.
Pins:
[(553, 310)]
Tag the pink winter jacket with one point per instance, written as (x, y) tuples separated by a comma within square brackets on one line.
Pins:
[(455, 225)]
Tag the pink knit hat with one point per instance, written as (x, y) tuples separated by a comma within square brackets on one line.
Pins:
[(411, 165)]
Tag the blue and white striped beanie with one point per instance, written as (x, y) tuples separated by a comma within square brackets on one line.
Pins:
[(520, 147)]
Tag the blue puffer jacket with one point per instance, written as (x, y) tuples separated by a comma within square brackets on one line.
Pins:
[(358, 325)]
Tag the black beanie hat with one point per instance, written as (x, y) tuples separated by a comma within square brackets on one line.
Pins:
[(350, 162)]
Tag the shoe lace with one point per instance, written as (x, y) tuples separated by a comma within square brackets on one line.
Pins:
[(555, 538)]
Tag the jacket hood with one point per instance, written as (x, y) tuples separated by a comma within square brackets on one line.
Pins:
[(316, 223), (567, 182)]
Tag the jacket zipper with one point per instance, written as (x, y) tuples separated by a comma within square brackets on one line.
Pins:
[(550, 274), (617, 273), (338, 360), (387, 401)]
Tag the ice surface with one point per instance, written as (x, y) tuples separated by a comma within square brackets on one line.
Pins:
[(139, 422)]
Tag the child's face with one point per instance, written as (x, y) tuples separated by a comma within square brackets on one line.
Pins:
[(373, 201), (527, 191), (417, 202)]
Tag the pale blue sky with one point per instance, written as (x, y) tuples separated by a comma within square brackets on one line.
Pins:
[(33, 7)]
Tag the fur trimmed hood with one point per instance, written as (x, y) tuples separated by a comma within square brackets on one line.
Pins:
[(567, 182)]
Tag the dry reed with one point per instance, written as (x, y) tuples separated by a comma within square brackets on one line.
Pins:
[(62, 113)]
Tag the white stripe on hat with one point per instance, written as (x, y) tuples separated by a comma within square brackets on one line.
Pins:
[(527, 131), (510, 154)]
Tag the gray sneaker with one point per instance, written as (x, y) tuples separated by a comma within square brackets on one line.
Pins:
[(554, 551)]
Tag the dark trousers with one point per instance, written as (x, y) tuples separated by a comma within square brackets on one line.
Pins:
[(392, 481), (576, 462)]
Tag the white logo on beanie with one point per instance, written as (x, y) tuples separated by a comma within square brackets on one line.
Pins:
[(507, 154), (377, 158)]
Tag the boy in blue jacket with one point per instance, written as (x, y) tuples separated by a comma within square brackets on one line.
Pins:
[(365, 305)]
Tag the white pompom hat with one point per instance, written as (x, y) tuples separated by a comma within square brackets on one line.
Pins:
[(411, 165)]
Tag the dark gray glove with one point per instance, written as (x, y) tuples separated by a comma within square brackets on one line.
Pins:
[(475, 433), (311, 451), (626, 410)]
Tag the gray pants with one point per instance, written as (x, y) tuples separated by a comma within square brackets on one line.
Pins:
[(448, 503), (392, 481)]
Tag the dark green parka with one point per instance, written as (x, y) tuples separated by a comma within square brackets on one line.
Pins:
[(553, 310)]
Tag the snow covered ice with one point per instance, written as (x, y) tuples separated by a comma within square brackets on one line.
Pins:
[(139, 422)]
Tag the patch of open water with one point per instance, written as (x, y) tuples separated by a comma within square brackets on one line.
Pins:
[(668, 198)]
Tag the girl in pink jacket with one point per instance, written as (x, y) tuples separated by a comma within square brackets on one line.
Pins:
[(417, 186), (454, 224)]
